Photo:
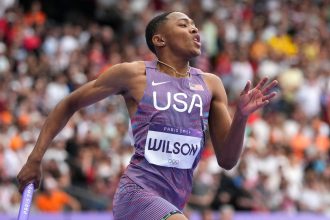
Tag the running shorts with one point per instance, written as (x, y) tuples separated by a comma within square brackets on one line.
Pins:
[(132, 202)]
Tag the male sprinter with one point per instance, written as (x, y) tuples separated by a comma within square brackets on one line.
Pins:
[(170, 106)]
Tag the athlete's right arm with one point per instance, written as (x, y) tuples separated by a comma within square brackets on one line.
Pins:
[(112, 81)]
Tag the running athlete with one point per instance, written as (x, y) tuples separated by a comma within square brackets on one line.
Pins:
[(171, 105)]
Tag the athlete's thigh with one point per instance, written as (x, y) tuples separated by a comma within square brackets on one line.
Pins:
[(177, 216)]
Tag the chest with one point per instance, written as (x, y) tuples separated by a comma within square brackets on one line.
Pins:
[(186, 95)]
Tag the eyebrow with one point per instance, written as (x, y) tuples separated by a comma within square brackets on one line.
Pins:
[(188, 20)]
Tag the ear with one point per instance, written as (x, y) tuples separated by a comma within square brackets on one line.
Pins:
[(158, 40)]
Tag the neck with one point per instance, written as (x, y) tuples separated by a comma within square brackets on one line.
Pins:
[(176, 68)]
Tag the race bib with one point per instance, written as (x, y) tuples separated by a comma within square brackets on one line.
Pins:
[(172, 147)]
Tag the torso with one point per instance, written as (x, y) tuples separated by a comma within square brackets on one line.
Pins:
[(169, 116)]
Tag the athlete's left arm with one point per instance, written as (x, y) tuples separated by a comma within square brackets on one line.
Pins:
[(227, 134)]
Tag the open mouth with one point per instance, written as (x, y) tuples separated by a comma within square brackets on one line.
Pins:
[(197, 39)]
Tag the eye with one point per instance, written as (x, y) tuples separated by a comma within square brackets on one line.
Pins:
[(183, 25)]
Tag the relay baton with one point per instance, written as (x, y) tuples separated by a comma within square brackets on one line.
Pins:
[(26, 201)]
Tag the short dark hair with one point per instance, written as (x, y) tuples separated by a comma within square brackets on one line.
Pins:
[(152, 27)]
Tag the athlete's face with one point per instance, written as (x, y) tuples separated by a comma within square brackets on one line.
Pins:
[(181, 35)]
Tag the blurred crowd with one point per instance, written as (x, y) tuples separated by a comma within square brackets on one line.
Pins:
[(285, 165)]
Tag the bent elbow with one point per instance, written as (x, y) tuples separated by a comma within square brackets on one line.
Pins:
[(227, 165)]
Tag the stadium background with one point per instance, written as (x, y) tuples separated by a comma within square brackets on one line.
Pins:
[(49, 48)]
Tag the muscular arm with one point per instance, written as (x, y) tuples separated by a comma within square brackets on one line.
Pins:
[(227, 134), (113, 81), (126, 79)]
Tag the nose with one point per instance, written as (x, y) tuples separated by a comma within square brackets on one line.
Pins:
[(194, 30)]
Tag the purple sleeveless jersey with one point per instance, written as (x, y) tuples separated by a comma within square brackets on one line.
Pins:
[(168, 130)]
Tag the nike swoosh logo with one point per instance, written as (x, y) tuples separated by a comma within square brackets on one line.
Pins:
[(153, 83)]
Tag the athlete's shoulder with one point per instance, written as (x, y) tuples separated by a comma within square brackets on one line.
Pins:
[(211, 78), (123, 74), (212, 81), (204, 74), (132, 68)]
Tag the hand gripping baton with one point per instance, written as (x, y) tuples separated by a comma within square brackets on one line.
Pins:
[(26, 201)]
